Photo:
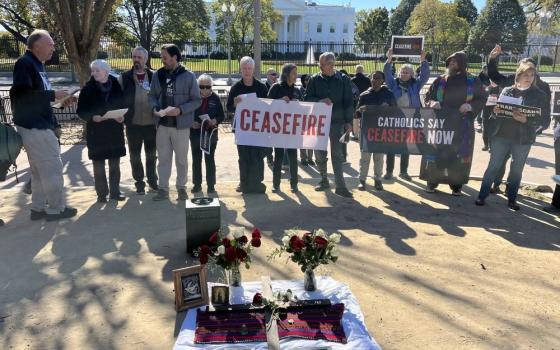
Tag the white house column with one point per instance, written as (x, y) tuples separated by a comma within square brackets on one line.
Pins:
[(285, 29), (301, 33)]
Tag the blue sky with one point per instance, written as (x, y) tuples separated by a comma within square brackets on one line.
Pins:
[(368, 4)]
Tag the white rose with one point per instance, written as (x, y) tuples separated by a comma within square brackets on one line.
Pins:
[(221, 250), (321, 233), (335, 237), (286, 240), (238, 234)]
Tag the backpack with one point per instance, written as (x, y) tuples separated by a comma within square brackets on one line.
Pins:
[(10, 146)]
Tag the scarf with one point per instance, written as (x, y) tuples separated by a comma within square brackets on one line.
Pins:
[(105, 88), (464, 149)]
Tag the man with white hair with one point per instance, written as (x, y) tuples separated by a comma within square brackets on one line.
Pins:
[(31, 95), (251, 164), (360, 80), (333, 88), (140, 127)]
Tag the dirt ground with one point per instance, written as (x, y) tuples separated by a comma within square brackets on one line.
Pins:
[(430, 271)]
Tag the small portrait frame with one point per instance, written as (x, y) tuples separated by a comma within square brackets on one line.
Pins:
[(191, 289), (220, 295)]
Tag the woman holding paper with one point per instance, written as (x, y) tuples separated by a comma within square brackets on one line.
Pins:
[(514, 135), (205, 127), (285, 90), (99, 101)]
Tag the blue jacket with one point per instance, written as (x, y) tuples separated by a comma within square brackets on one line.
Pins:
[(186, 95), (414, 87)]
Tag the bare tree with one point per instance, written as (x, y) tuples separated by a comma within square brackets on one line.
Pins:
[(141, 18), (81, 24)]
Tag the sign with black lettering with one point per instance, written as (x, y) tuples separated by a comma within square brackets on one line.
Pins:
[(410, 130), (407, 46), (506, 110)]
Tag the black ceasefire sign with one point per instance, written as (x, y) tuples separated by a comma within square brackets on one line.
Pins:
[(394, 130), (407, 46)]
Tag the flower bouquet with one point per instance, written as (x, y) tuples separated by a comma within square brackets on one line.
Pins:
[(309, 250), (230, 251)]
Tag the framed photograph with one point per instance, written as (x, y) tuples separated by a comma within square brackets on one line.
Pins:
[(407, 46), (220, 295), (190, 287)]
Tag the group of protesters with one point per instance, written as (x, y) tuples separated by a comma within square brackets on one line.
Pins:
[(170, 109)]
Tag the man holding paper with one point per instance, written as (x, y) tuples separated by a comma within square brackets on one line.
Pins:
[(31, 95), (174, 96), (100, 105), (139, 121)]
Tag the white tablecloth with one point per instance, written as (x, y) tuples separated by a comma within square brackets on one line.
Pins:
[(327, 288)]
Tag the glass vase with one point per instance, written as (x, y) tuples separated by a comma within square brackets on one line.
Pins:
[(234, 276), (309, 281)]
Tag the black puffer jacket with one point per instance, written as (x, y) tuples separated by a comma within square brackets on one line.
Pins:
[(533, 97), (105, 140)]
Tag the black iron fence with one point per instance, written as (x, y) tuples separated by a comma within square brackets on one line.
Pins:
[(212, 56)]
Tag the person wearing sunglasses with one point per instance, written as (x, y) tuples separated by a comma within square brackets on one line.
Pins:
[(211, 106), (271, 78)]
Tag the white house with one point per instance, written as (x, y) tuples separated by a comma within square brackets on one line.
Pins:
[(302, 22), (310, 21)]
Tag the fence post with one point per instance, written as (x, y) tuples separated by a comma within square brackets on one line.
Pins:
[(72, 73), (555, 58)]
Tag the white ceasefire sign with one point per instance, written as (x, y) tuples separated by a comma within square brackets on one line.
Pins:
[(277, 123)]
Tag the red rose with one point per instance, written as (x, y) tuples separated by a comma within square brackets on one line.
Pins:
[(205, 250), (255, 242), (320, 242), (256, 233), (226, 242), (214, 238), (230, 254), (296, 243), (243, 240), (203, 258), (241, 254), (257, 299)]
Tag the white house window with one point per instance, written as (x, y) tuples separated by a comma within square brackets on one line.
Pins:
[(345, 28), (306, 27), (332, 27), (288, 27), (319, 27)]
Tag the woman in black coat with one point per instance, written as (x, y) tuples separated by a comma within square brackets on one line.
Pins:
[(211, 106), (285, 90), (105, 137)]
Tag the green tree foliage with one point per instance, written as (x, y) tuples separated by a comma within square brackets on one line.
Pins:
[(154, 21), (466, 10), (184, 20), (243, 20), (21, 17), (500, 22), (371, 26), (440, 24), (399, 17)]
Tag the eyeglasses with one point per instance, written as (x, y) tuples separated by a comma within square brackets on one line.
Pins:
[(273, 74), (202, 87)]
